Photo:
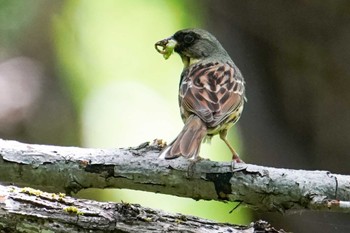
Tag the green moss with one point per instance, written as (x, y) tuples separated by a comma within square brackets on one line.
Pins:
[(31, 191), (73, 210)]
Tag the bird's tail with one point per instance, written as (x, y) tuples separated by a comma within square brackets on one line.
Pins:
[(188, 142)]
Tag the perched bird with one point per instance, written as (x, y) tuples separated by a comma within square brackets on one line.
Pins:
[(211, 91)]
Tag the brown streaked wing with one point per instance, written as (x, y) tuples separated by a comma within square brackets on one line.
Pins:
[(211, 91)]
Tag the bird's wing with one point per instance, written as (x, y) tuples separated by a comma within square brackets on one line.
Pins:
[(212, 91)]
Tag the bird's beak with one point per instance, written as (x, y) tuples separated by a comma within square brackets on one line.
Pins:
[(166, 47)]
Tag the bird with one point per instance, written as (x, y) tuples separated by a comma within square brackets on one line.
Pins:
[(211, 92)]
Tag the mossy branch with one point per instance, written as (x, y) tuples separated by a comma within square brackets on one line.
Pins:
[(30, 210)]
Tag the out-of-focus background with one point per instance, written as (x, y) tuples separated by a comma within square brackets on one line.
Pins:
[(85, 73)]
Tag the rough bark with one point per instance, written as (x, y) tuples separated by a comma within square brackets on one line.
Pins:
[(30, 210), (267, 189)]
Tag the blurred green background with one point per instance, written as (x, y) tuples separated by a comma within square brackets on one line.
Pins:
[(85, 73), (119, 90)]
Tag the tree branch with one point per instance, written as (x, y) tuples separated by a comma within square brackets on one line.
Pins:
[(264, 188), (30, 210)]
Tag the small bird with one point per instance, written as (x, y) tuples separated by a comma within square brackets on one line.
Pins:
[(211, 92)]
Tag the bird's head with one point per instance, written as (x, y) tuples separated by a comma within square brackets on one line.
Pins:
[(192, 45)]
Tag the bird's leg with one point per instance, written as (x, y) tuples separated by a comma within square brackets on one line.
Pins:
[(235, 157)]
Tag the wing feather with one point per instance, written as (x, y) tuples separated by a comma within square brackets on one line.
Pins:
[(212, 91)]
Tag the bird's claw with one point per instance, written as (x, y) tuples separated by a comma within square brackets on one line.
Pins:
[(238, 165)]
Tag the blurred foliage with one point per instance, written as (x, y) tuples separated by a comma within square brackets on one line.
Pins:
[(15, 16)]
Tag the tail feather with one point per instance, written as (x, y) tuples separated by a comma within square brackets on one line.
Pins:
[(188, 142)]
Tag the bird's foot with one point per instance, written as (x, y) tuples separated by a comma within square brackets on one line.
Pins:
[(237, 164)]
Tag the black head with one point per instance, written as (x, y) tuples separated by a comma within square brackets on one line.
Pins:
[(197, 44)]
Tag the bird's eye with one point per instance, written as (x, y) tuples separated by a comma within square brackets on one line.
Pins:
[(188, 39)]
